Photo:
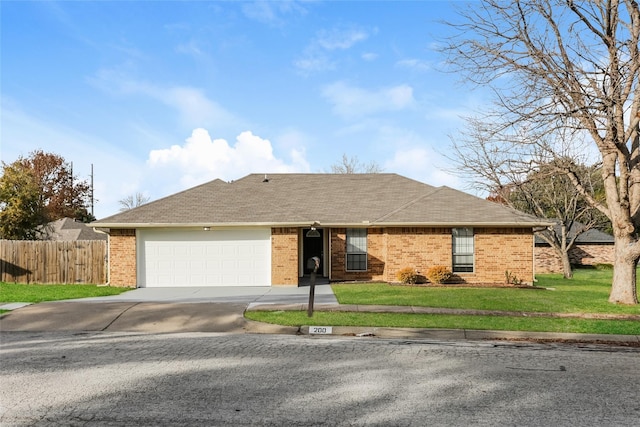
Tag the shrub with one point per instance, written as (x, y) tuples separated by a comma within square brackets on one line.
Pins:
[(408, 275), (512, 279), (439, 274)]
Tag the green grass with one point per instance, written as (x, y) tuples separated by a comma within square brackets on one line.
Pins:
[(19, 292), (586, 293), (439, 321)]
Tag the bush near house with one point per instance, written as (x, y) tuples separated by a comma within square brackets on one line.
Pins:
[(439, 274), (408, 275)]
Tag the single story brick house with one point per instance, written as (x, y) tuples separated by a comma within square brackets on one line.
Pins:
[(261, 229), (590, 248)]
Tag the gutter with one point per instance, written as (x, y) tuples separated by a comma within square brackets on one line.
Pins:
[(322, 224)]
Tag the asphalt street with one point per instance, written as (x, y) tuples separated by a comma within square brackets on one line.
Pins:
[(213, 379)]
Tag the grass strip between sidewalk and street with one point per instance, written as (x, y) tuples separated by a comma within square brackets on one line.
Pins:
[(446, 321)]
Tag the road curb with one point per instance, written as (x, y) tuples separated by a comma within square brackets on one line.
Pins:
[(475, 335)]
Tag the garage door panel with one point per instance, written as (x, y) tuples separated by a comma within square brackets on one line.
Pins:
[(205, 258)]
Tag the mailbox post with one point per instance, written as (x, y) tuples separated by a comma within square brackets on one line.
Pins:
[(314, 263)]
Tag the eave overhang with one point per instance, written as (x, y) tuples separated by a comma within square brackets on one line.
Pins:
[(319, 224)]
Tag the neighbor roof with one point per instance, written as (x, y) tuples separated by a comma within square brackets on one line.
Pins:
[(592, 236), (69, 229), (326, 199)]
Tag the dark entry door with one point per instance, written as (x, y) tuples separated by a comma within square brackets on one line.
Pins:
[(312, 246)]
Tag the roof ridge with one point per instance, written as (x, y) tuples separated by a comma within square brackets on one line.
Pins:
[(409, 203)]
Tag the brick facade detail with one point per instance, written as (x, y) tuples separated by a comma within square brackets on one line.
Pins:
[(284, 256), (497, 250), (122, 254), (547, 261)]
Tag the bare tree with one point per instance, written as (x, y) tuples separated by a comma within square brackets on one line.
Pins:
[(353, 165), (570, 68), (132, 201), (535, 187), (548, 195)]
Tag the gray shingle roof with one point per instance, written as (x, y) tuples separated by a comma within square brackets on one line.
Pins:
[(69, 229), (329, 199), (590, 237)]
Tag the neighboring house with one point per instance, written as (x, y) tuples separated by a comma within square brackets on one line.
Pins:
[(68, 229), (260, 231), (590, 248)]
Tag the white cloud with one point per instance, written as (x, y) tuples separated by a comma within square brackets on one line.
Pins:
[(420, 163), (202, 159), (194, 107), (339, 38), (369, 56), (311, 63), (414, 64), (272, 12), (352, 102), (191, 48), (316, 55)]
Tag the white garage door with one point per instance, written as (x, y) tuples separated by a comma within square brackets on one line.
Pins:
[(204, 258)]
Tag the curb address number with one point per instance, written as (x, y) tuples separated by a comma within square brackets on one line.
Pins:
[(320, 330)]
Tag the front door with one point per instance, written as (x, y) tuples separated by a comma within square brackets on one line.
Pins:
[(312, 245)]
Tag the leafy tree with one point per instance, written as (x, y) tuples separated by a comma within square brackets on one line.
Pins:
[(61, 195), (20, 210), (57, 195), (132, 201), (353, 165), (563, 71)]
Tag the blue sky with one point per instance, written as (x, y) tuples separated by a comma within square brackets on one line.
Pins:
[(161, 96)]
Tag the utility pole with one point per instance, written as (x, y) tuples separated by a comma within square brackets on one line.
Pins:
[(91, 189)]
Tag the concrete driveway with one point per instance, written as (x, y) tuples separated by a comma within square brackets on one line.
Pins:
[(214, 309)]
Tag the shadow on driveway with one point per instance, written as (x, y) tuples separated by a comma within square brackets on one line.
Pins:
[(219, 309)]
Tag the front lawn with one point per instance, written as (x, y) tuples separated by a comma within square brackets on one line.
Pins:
[(20, 292), (586, 293)]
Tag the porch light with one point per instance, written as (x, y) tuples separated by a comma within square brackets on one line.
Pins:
[(313, 232), (206, 228)]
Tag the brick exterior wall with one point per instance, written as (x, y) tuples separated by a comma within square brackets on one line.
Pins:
[(376, 258), (420, 248), (547, 261), (391, 249), (122, 254), (284, 256), (498, 250)]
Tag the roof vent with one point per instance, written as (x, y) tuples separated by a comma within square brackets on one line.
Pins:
[(266, 179)]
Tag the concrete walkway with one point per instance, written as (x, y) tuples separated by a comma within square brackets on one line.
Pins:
[(221, 309), (240, 294)]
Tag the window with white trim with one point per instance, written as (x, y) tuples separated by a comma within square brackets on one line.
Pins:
[(462, 250), (356, 249)]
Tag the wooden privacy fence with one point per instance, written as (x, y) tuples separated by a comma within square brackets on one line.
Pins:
[(28, 261)]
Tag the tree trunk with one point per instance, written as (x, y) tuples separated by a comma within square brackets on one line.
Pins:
[(623, 288), (566, 265)]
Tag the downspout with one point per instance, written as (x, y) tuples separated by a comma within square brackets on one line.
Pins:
[(533, 258), (108, 259), (329, 251)]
